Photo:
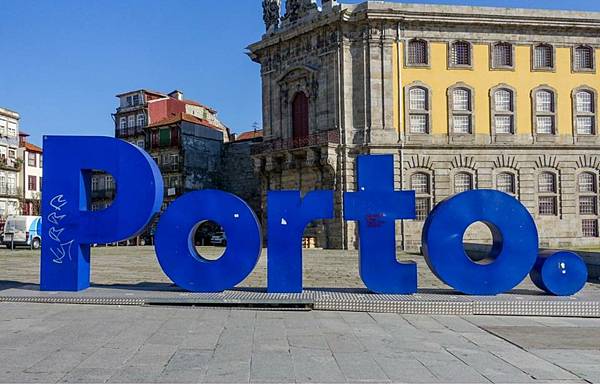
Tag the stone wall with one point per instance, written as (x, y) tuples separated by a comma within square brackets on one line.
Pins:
[(237, 174)]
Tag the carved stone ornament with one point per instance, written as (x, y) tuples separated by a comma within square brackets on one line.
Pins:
[(271, 13), (297, 9)]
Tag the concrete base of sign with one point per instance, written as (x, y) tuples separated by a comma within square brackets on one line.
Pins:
[(432, 301)]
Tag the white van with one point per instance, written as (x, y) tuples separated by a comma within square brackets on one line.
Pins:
[(23, 230)]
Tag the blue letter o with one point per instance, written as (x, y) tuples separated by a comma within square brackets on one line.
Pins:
[(515, 242), (176, 253)]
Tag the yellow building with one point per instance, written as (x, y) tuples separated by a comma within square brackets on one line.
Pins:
[(464, 97)]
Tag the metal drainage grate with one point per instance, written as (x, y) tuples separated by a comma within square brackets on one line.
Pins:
[(443, 304), (77, 300)]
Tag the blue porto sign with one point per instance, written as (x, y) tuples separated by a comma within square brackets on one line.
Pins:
[(70, 228)]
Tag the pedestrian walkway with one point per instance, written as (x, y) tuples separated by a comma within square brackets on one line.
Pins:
[(84, 343)]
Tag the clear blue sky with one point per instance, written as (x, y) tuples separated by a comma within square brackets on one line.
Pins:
[(63, 61)]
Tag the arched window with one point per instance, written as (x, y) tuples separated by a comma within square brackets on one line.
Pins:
[(585, 113), (462, 110), (418, 110), (460, 53), (502, 55), (587, 182), (545, 111), (417, 52), (463, 181), (300, 116), (547, 190), (421, 184), (505, 182), (141, 120), (503, 111), (584, 58), (543, 57)]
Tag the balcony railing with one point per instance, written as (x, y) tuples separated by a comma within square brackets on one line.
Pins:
[(129, 131), (10, 164), (103, 193), (172, 167), (10, 191), (318, 139)]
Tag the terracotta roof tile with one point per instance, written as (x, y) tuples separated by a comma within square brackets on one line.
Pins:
[(249, 135), (186, 118), (32, 148)]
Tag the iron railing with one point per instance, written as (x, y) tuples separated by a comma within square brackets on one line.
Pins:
[(9, 191), (129, 131), (318, 139)]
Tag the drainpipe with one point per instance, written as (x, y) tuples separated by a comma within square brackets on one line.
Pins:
[(400, 125)]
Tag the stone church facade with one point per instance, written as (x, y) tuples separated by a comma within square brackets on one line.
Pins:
[(463, 97)]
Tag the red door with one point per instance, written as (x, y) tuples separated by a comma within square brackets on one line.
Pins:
[(300, 116)]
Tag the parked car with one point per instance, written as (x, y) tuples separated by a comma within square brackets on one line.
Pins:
[(218, 239), (23, 230)]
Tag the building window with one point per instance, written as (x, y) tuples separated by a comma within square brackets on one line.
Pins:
[(418, 52), (32, 183), (585, 113), (589, 228), (421, 184), (140, 143), (31, 159), (584, 58), (12, 129), (131, 121), (547, 183), (141, 120), (463, 181), (94, 183), (587, 205), (418, 110), (543, 57), (109, 182), (460, 54), (588, 202), (133, 100), (587, 183), (122, 123), (12, 153), (40, 178), (548, 194), (505, 182), (503, 111), (545, 111), (300, 116), (502, 55), (462, 111)]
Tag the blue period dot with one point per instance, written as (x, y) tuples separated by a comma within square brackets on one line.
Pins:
[(561, 273)]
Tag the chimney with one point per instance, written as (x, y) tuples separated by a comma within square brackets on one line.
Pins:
[(176, 95)]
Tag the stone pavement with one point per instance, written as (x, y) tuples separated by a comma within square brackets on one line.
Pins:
[(138, 265), (86, 343)]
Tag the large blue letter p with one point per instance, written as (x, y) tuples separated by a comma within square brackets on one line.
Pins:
[(68, 226)]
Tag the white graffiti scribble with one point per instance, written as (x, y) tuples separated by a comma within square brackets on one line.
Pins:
[(65, 250), (53, 218), (55, 233), (58, 202)]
